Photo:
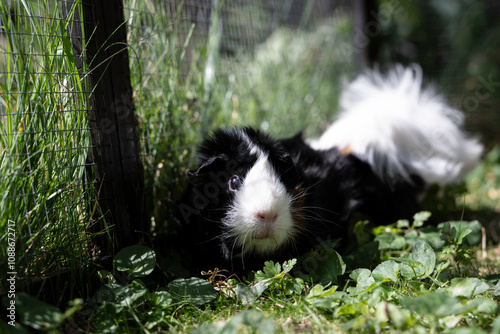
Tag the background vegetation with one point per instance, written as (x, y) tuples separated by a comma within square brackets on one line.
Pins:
[(44, 190), (188, 79)]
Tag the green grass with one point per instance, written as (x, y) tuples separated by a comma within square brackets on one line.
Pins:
[(155, 61), (289, 83), (43, 142)]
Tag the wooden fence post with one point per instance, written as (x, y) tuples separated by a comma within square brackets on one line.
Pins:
[(117, 167)]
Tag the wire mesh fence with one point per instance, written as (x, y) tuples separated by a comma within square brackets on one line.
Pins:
[(162, 39), (102, 103), (46, 193), (58, 192), (182, 54)]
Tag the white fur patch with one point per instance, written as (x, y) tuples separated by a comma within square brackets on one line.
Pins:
[(261, 192), (399, 128)]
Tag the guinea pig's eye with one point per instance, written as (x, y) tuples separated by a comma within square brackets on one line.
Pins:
[(234, 183)]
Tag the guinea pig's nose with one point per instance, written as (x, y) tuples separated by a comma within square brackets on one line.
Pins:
[(267, 216)]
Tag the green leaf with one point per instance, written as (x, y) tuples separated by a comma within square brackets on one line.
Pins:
[(5, 327), (193, 290), (429, 234), (402, 224), (451, 321), (495, 328), (295, 286), (361, 276), (496, 289), (249, 321), (477, 305), (386, 271), (401, 318), (107, 313), (329, 298), (422, 253), (484, 305), (324, 266), (461, 231), (368, 286), (270, 270), (364, 281), (253, 319), (440, 266), (467, 287), (162, 299), (124, 296), (361, 232), (408, 262), (434, 304), (347, 309), (37, 314), (288, 265), (247, 294), (318, 291), (155, 318), (420, 217), (315, 291), (390, 241), (137, 260), (467, 330), (106, 276)]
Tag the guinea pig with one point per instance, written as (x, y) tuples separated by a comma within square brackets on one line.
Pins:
[(255, 198), (245, 198)]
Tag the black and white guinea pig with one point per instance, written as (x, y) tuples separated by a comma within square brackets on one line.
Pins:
[(255, 198)]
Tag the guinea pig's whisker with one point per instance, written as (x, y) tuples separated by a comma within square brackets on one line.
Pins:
[(308, 234), (305, 213), (209, 219), (311, 212), (320, 208), (302, 193), (316, 218), (207, 241), (319, 219), (292, 243), (233, 247), (312, 234), (311, 186), (226, 235), (212, 220), (245, 239), (217, 210), (289, 169)]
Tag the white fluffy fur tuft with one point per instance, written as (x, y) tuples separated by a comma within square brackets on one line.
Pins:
[(401, 129)]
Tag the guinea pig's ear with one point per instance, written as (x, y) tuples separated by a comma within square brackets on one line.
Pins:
[(209, 164)]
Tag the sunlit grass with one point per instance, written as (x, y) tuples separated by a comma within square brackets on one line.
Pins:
[(43, 140)]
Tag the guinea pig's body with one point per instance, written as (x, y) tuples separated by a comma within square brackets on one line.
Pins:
[(255, 198)]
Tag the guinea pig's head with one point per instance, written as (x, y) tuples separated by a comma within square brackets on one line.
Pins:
[(249, 191)]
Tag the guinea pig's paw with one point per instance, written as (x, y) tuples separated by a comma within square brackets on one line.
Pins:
[(260, 218)]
